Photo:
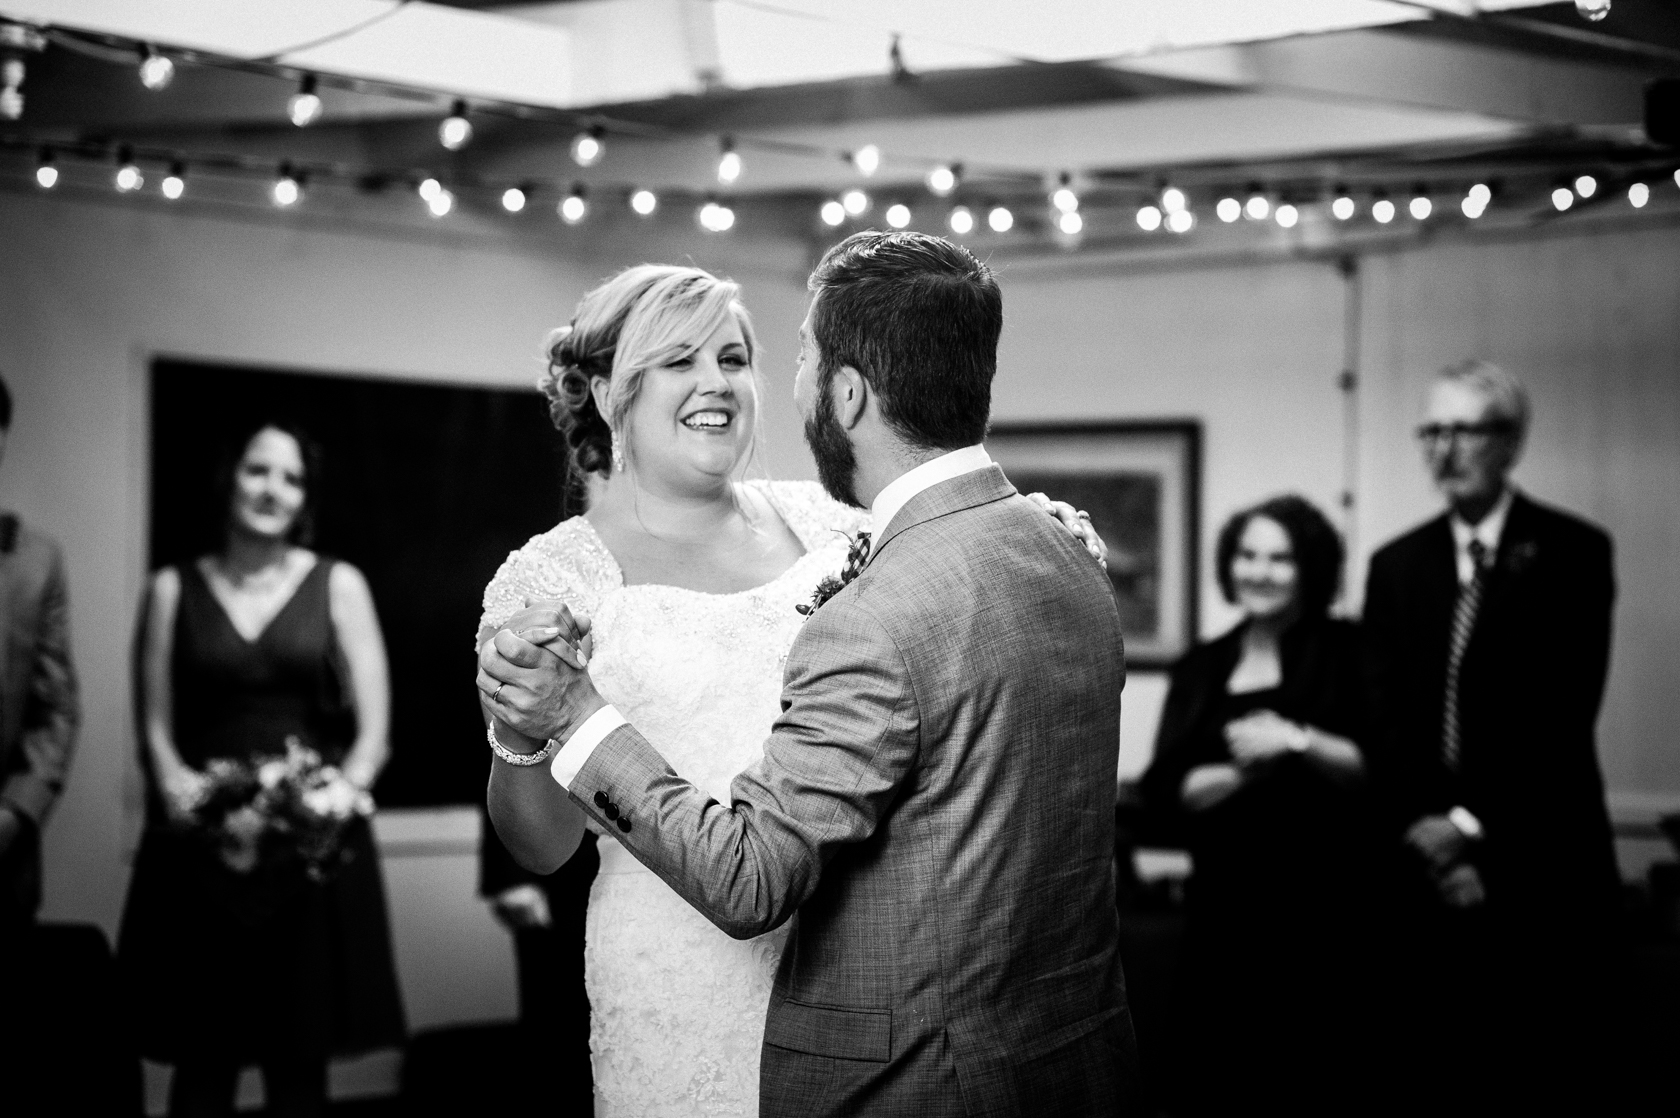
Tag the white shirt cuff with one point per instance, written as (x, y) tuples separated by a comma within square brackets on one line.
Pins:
[(581, 745), (1468, 825)]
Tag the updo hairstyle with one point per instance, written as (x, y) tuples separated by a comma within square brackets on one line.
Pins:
[(644, 317)]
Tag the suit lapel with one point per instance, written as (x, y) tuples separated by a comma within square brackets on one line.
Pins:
[(1516, 553), (978, 487)]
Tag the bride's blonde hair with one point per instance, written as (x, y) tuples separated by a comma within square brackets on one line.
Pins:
[(644, 317)]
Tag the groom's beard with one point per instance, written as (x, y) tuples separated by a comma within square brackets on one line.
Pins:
[(832, 448)]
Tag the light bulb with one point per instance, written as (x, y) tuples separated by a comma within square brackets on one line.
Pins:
[(12, 73), (1472, 207), (1677, 176), (644, 202), (285, 190), (572, 207), (1287, 215), (942, 180), (1586, 186), (156, 70), (588, 147), (456, 131), (441, 203), (175, 184), (1592, 10), (1228, 209), (898, 215), (1172, 200), (46, 175), (855, 201), (129, 178), (729, 166), (962, 221), (1181, 221), (428, 189), (305, 106), (1070, 223), (513, 199), (1480, 193), (833, 213), (1000, 219), (1420, 207), (1257, 208), (867, 159), (1383, 211), (1148, 219), (1563, 198), (1638, 195), (715, 218), (1343, 207), (1065, 200)]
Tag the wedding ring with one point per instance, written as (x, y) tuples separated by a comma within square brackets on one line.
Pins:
[(1082, 514), (496, 695)]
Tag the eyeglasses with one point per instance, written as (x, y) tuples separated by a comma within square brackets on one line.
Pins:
[(1434, 433)]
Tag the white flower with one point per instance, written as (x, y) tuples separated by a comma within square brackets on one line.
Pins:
[(271, 773)]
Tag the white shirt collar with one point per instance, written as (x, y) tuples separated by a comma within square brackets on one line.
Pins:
[(1487, 533), (898, 492)]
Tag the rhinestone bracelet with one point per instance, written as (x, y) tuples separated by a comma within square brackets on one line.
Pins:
[(520, 759)]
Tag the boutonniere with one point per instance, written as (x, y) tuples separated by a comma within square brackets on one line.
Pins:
[(856, 556), (1522, 556)]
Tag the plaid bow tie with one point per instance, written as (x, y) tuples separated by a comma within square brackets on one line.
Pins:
[(856, 556)]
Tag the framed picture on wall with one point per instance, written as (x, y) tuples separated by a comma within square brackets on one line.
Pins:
[(1141, 483)]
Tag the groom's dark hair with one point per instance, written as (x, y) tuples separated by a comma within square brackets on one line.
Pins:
[(919, 318)]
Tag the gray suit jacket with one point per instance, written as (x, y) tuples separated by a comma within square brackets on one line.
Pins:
[(38, 711), (936, 802)]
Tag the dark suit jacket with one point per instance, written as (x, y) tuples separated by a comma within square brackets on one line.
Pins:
[(1530, 688), (38, 709), (937, 803)]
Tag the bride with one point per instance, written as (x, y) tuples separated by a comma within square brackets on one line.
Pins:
[(691, 579)]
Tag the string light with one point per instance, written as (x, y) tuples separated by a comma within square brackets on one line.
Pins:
[(1287, 215), (1148, 218), (833, 213), (287, 189), (943, 179), (11, 88), (1586, 186), (1420, 207), (729, 163), (573, 208), (715, 218), (128, 174), (898, 215), (588, 146), (305, 105), (156, 70), (1592, 10), (1563, 198), (644, 202), (441, 202), (1000, 219), (428, 189), (867, 159), (961, 221), (46, 174), (1257, 206), (1228, 209), (1677, 176), (1063, 198), (513, 199), (1476, 200), (1181, 221), (1638, 195), (456, 131), (855, 201), (175, 183), (1173, 200), (1382, 210), (1070, 223), (1343, 207)]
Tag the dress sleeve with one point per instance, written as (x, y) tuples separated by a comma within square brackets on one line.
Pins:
[(549, 566), (820, 517)]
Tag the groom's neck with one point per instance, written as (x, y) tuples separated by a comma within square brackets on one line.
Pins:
[(883, 461)]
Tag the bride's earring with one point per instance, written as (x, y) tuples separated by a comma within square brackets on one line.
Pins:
[(617, 453)]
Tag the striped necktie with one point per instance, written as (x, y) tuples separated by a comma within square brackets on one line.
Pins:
[(1463, 623)]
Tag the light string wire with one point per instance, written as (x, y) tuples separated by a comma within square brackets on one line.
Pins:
[(275, 56)]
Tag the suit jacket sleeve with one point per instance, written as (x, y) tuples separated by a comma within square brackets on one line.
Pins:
[(845, 743), (50, 709)]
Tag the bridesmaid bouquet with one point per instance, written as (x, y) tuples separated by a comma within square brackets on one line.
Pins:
[(270, 811)]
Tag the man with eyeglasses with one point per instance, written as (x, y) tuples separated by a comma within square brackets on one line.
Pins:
[(1488, 641)]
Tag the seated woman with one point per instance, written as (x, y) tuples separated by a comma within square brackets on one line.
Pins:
[(1257, 761)]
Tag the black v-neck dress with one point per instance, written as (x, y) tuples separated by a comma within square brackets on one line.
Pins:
[(219, 965)]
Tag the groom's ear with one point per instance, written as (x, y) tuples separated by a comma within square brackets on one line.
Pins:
[(851, 395)]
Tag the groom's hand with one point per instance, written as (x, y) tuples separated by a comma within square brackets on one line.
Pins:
[(534, 678)]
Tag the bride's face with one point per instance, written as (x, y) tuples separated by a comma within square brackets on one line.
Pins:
[(694, 418)]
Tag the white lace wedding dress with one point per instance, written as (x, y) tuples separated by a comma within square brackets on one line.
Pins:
[(677, 1007)]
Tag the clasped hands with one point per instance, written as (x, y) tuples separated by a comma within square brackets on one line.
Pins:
[(533, 675), (1263, 736)]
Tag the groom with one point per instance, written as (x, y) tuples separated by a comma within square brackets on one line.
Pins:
[(936, 800)]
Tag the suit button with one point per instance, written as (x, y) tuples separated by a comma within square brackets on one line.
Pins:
[(610, 811), (624, 824), (600, 799)]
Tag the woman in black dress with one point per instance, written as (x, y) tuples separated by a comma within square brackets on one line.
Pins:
[(239, 650), (1257, 762)]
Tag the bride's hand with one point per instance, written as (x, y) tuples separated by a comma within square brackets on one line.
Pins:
[(1076, 521), (538, 684)]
